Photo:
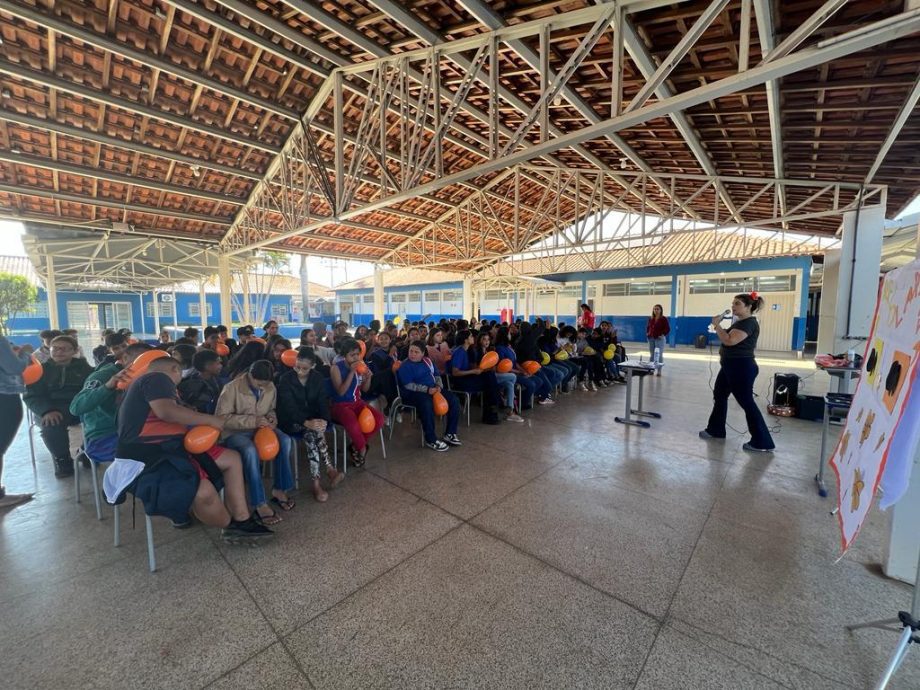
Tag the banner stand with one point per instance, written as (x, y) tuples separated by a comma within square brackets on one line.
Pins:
[(910, 632)]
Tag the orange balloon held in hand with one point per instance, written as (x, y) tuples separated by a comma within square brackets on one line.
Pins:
[(266, 442), (489, 360), (289, 358), (200, 439), (33, 372), (366, 421), (222, 349), (530, 366), (139, 367), (397, 364), (439, 402), (362, 346), (504, 366), (362, 369)]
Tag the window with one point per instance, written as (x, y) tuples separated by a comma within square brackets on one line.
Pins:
[(433, 296), (194, 309), (738, 284), (452, 296), (35, 310), (592, 292), (166, 309), (279, 311), (571, 291), (776, 283), (615, 289), (398, 298), (705, 286), (414, 297), (492, 294), (367, 299)]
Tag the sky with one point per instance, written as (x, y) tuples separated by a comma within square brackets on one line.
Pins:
[(330, 272)]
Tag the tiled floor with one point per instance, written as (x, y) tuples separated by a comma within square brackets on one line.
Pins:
[(566, 552)]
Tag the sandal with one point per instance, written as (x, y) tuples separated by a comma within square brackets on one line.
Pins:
[(284, 505), (266, 520)]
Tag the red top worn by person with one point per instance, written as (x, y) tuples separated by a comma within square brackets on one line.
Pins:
[(587, 317)]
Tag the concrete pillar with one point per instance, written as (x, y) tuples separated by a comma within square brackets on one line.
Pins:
[(556, 304), (176, 313), (526, 304), (850, 288), (54, 319), (672, 336), (467, 310), (247, 299), (304, 290), (379, 308), (156, 312), (203, 306), (223, 275)]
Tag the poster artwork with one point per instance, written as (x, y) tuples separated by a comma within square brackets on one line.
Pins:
[(890, 368)]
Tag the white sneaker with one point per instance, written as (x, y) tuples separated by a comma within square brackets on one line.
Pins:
[(583, 386), (547, 401), (514, 418), (592, 387), (438, 446)]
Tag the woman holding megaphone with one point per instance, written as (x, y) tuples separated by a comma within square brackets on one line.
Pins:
[(738, 372)]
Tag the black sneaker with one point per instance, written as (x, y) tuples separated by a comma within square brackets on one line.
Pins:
[(452, 439), (246, 531), (439, 446), (63, 467), (182, 525), (754, 449)]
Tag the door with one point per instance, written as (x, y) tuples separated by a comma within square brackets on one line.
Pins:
[(776, 321)]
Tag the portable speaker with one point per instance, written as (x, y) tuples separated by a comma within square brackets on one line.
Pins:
[(785, 389)]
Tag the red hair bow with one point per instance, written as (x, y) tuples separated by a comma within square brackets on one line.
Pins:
[(753, 295)]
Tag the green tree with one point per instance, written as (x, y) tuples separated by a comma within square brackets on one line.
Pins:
[(16, 295)]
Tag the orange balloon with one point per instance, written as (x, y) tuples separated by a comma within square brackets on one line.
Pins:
[(440, 404), (139, 366), (397, 364), (222, 349), (504, 366), (489, 360), (362, 369), (366, 421), (33, 372), (200, 439), (530, 366), (289, 358), (266, 443), (362, 346)]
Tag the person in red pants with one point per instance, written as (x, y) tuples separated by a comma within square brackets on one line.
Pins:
[(347, 385)]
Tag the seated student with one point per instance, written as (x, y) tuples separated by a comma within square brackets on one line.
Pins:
[(361, 333), (593, 371), (248, 404), (600, 341), (325, 355), (115, 344), (506, 381), (200, 389), (164, 340), (438, 350), (465, 376), (97, 404), (347, 386), (185, 355), (273, 353), (211, 338), (244, 358), (73, 333), (303, 411), (418, 381), (100, 352), (403, 347), (151, 429), (49, 399), (561, 375), (192, 334), (243, 334), (269, 329), (223, 334), (527, 350), (43, 353), (380, 359), (531, 386)]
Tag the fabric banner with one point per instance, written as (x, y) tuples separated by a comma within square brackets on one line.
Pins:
[(879, 404)]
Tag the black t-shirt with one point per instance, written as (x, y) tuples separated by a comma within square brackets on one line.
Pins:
[(744, 349), (136, 421)]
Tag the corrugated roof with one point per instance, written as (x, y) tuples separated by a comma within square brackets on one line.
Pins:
[(281, 284), (397, 277)]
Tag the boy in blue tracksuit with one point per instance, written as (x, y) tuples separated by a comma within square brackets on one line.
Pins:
[(418, 382)]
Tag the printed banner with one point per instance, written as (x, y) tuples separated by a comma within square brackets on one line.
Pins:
[(885, 385)]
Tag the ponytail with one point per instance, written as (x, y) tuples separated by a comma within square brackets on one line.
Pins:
[(752, 300)]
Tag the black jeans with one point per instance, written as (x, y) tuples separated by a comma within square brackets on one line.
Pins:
[(736, 377), (10, 419), (56, 438)]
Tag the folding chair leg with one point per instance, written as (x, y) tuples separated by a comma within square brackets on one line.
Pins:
[(383, 444), (117, 521), (151, 556), (97, 500), (296, 444), (76, 480)]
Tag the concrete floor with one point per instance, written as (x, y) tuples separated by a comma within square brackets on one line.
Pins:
[(566, 552)]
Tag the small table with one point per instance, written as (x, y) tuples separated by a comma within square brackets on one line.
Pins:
[(843, 376), (835, 405), (639, 370)]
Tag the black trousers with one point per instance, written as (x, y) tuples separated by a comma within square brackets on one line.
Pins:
[(736, 377), (10, 419), (56, 438)]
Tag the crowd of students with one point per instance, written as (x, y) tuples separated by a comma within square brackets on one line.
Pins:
[(239, 386)]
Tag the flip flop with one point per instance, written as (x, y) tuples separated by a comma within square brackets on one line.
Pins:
[(283, 505), (267, 520)]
